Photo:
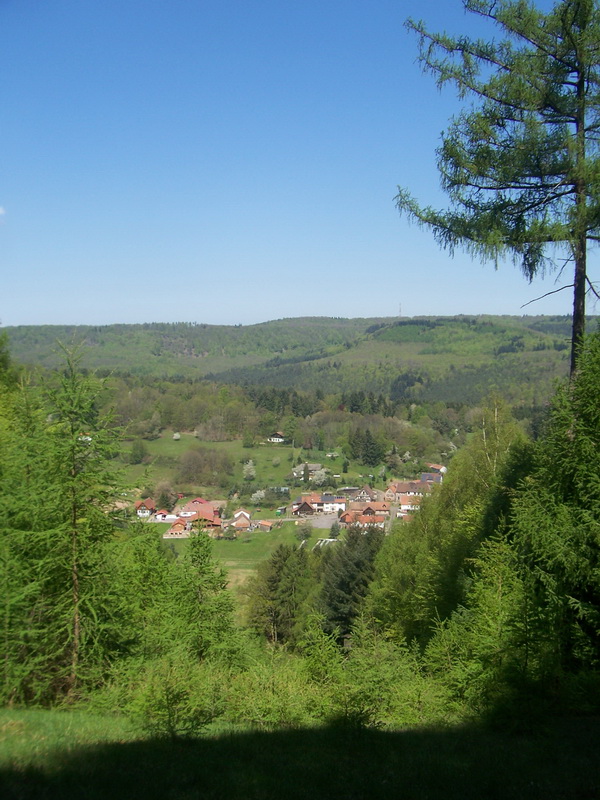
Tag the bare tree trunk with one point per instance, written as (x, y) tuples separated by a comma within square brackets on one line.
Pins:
[(580, 232)]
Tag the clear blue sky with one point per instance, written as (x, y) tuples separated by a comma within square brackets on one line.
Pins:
[(226, 162)]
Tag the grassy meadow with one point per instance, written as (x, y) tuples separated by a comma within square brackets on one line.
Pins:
[(241, 556), (273, 464), (69, 754)]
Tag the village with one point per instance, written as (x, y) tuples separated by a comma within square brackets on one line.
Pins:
[(362, 507)]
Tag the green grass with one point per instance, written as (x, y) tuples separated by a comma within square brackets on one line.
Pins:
[(246, 552), (164, 454), (58, 755), (241, 556)]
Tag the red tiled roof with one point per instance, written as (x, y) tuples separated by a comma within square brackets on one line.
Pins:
[(147, 503)]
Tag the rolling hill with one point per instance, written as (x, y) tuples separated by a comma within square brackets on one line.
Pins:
[(450, 359)]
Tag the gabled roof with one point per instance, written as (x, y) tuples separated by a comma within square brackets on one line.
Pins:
[(241, 522), (311, 497), (370, 519), (431, 477), (410, 499), (204, 512), (147, 503)]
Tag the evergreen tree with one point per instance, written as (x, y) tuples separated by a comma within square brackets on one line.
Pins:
[(347, 572), (520, 167), (426, 566), (372, 451), (277, 592), (556, 527)]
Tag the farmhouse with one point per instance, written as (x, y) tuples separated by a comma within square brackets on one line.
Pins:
[(313, 503), (145, 508), (397, 490)]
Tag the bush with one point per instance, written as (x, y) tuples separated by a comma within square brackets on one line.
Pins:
[(178, 698)]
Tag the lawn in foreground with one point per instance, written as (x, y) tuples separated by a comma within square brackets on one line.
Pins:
[(70, 755)]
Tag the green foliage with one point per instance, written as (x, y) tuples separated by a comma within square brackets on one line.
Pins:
[(557, 520), (273, 693), (525, 636), (276, 593), (426, 566), (177, 698), (204, 465), (138, 452), (54, 556), (451, 358), (519, 165), (347, 571)]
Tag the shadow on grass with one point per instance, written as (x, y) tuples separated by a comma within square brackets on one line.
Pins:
[(557, 762)]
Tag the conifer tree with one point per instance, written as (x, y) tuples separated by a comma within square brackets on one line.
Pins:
[(346, 576), (59, 492), (556, 527), (520, 166)]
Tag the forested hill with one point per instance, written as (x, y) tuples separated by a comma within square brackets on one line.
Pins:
[(455, 359)]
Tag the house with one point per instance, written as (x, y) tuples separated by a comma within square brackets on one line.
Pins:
[(348, 517), (178, 530), (165, 516), (409, 503), (397, 490), (276, 438), (205, 518), (377, 508), (332, 504), (319, 504), (436, 468), (431, 477), (200, 505), (362, 520), (370, 521), (302, 508), (145, 508), (264, 525), (364, 495), (241, 523)]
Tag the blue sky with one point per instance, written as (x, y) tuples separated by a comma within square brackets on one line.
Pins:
[(226, 162)]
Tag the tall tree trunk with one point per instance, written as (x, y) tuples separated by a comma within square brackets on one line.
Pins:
[(580, 232), (76, 597), (578, 301)]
